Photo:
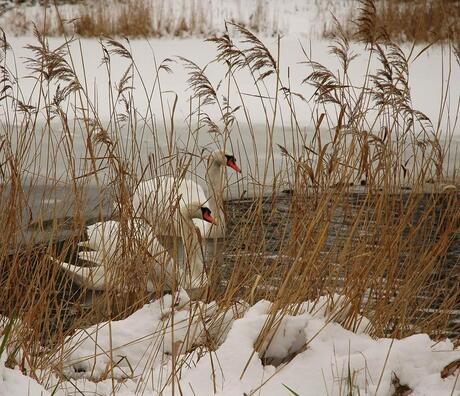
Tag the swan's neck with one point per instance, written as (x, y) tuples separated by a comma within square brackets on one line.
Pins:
[(193, 254), (215, 184)]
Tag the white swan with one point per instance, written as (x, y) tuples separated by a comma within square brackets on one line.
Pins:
[(104, 238), (161, 196)]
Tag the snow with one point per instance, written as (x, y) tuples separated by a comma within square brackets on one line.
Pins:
[(437, 63), (14, 383), (202, 18), (310, 352), (426, 96), (426, 92), (306, 349), (132, 340), (297, 19), (430, 74)]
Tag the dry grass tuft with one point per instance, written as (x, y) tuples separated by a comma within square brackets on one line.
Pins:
[(134, 19)]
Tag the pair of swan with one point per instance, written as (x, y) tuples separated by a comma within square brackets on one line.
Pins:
[(158, 197), (150, 198), (156, 200)]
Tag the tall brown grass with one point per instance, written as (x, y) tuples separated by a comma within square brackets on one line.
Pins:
[(421, 21), (134, 18), (383, 245)]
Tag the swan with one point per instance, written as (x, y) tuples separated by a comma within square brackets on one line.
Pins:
[(104, 238), (158, 197)]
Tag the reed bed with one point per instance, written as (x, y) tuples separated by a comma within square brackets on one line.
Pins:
[(136, 18), (421, 21), (387, 257)]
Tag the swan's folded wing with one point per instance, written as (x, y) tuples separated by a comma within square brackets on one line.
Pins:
[(93, 256), (157, 195), (102, 236), (191, 191), (91, 277)]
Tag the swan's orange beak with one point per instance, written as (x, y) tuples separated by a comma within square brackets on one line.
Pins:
[(232, 164), (208, 217)]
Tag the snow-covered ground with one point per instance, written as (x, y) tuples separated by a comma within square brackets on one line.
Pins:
[(14, 383), (430, 74), (309, 352)]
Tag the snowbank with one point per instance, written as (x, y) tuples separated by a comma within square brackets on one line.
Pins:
[(14, 383), (306, 350), (310, 352)]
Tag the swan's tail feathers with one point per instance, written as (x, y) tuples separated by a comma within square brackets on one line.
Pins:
[(92, 256), (90, 277), (85, 244)]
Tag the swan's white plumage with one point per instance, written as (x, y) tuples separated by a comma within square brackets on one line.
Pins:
[(161, 199), (104, 239), (155, 198), (94, 278)]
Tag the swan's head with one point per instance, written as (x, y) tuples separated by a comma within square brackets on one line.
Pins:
[(221, 158), (195, 210)]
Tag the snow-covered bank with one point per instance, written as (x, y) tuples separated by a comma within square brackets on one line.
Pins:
[(14, 383), (310, 352)]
